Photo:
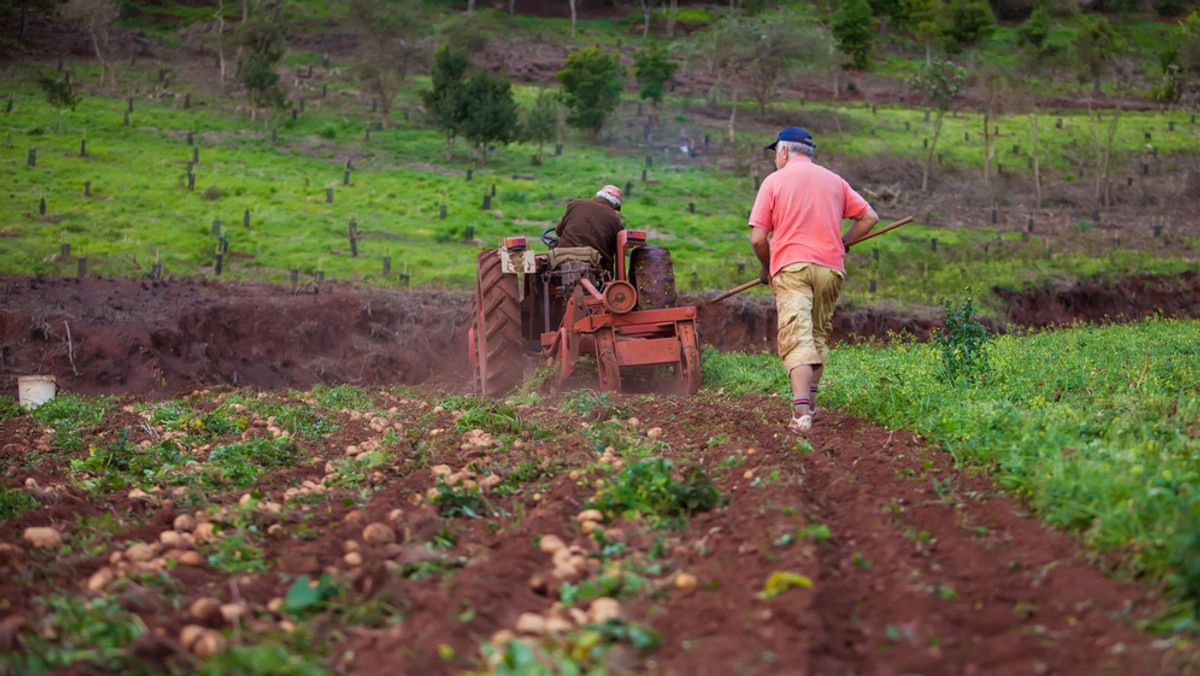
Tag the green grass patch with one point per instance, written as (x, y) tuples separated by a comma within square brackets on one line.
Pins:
[(134, 217)]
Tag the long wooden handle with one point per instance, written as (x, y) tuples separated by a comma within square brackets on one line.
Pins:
[(750, 285), (736, 290), (891, 226)]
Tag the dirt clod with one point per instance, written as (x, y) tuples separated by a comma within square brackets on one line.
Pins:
[(10, 555)]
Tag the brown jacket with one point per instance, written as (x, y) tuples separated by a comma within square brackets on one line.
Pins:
[(591, 222)]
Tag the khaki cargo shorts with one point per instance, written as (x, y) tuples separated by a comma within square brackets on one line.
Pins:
[(805, 294)]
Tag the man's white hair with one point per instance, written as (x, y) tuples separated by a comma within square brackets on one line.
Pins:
[(796, 147)]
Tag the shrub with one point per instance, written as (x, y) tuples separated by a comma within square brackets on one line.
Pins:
[(963, 344)]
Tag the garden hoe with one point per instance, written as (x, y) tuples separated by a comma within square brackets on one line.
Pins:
[(750, 285)]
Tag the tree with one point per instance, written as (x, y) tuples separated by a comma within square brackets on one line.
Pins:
[(921, 19), (1094, 48), (1180, 63), (541, 122), (261, 38), (647, 10), (391, 37), (573, 12), (1036, 29), (491, 116), (940, 82), (219, 28), (672, 12), (890, 10), (60, 93), (446, 100), (96, 17), (997, 85), (652, 70), (781, 44), (854, 30), (724, 51), (1103, 148), (468, 32), (591, 81), (970, 22)]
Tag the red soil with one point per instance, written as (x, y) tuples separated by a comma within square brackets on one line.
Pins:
[(927, 570), (159, 338)]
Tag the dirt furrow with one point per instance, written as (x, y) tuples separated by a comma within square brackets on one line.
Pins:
[(930, 571)]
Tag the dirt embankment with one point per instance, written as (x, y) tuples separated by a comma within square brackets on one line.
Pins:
[(160, 338)]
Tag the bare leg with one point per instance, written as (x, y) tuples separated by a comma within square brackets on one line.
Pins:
[(802, 378)]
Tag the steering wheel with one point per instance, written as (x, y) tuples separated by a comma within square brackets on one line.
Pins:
[(549, 240)]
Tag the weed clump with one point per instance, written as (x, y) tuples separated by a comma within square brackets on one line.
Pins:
[(459, 500), (15, 502), (591, 405), (964, 345), (650, 487)]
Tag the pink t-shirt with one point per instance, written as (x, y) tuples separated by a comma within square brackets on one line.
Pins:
[(802, 206)]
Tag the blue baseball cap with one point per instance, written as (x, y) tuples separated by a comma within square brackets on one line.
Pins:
[(796, 135)]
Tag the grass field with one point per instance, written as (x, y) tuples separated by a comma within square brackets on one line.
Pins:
[(140, 209)]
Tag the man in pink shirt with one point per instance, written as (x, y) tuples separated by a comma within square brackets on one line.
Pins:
[(796, 232)]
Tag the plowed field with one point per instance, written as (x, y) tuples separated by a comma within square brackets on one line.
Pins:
[(414, 529), (390, 531)]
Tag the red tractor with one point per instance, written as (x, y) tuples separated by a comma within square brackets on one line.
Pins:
[(560, 304)]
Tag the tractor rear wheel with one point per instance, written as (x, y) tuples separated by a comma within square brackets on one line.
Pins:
[(653, 275), (499, 362)]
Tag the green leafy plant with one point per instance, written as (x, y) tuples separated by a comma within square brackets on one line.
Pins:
[(14, 501), (234, 553), (494, 417), (610, 586), (9, 408), (591, 81), (269, 659), (90, 635), (590, 404), (121, 463), (650, 487), (306, 597), (963, 345), (241, 463), (460, 500)]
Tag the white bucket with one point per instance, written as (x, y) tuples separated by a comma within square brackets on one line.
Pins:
[(36, 390)]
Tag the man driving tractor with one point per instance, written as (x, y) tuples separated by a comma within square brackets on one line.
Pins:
[(593, 223)]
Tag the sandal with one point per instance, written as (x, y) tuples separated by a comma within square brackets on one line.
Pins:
[(801, 425)]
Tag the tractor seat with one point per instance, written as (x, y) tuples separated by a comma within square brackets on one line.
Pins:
[(584, 254)]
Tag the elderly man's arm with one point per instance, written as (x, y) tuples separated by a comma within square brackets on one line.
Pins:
[(862, 225), (762, 249)]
